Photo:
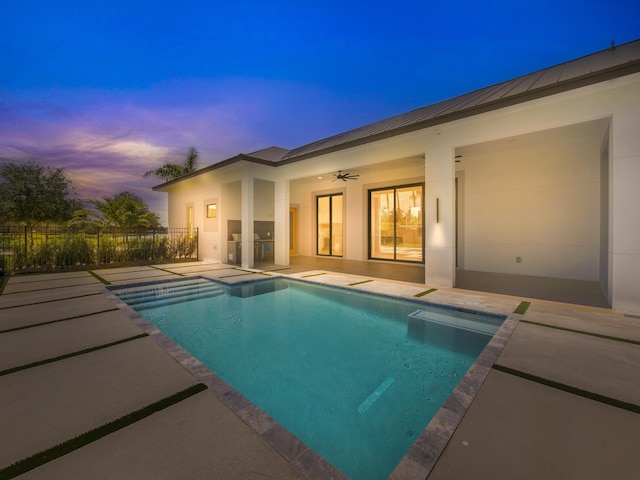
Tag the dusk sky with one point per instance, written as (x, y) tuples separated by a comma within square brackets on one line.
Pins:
[(111, 89)]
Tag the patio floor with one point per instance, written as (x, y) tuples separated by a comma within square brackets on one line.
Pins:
[(560, 400)]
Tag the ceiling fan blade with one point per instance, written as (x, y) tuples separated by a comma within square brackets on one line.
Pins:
[(344, 176)]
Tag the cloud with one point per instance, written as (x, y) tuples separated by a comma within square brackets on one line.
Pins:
[(107, 139)]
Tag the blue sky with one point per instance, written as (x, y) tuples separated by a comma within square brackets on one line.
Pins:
[(109, 90)]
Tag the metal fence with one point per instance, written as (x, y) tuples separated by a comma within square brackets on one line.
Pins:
[(24, 249)]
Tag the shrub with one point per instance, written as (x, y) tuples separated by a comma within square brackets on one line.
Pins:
[(182, 248), (108, 251), (140, 249), (43, 255), (74, 250)]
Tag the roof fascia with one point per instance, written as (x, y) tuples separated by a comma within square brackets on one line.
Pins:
[(224, 163), (591, 78)]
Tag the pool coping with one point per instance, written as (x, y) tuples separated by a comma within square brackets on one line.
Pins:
[(421, 457)]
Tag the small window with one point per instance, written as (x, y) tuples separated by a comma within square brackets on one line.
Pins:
[(212, 210)]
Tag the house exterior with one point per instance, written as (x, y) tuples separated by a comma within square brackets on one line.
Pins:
[(539, 175)]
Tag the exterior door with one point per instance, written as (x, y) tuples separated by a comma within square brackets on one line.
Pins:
[(329, 224), (293, 231), (395, 224)]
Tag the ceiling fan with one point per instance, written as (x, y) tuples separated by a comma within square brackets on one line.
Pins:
[(344, 176)]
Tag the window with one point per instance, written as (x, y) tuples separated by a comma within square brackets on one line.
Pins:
[(329, 225), (190, 221), (212, 210), (395, 223)]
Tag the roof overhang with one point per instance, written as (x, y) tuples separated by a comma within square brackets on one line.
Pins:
[(600, 67), (216, 166)]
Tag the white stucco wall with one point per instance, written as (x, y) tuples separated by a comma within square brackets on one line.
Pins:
[(555, 228), (355, 196), (625, 203), (540, 204)]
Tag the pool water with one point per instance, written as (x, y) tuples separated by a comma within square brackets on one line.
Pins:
[(357, 377)]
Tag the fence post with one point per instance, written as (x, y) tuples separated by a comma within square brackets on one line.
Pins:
[(26, 252)]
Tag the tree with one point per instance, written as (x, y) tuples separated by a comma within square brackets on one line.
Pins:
[(173, 171), (31, 194), (124, 210)]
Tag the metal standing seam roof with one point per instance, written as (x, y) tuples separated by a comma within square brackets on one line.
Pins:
[(271, 154), (607, 64)]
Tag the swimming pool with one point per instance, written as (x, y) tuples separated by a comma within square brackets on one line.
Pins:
[(356, 377)]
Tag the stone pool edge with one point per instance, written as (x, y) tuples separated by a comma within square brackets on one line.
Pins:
[(416, 464), (301, 456), (426, 450)]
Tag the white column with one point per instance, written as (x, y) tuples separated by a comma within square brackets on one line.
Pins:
[(247, 221), (282, 226), (625, 198), (439, 214)]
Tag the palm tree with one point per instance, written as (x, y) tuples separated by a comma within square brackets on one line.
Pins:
[(173, 171)]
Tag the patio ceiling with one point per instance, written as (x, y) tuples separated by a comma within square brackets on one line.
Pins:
[(559, 136)]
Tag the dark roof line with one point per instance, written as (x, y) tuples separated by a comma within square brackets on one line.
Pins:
[(608, 64), (229, 161)]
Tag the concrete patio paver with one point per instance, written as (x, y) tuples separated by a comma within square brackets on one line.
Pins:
[(593, 320), (138, 274), (232, 275), (46, 405), (57, 339), (198, 438), (594, 364), (56, 309), (40, 277), (518, 429), (41, 296), (49, 284), (193, 269)]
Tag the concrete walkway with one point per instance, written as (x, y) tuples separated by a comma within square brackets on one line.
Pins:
[(554, 396)]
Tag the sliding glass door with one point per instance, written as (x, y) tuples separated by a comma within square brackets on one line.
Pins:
[(329, 225), (395, 223)]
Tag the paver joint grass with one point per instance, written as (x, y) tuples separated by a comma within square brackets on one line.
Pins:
[(583, 332), (24, 327), (52, 301), (86, 438), (69, 355), (3, 282), (614, 402), (522, 308), (98, 277), (426, 292)]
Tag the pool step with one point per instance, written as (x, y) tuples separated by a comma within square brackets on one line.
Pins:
[(132, 295), (142, 298), (484, 325), (178, 299)]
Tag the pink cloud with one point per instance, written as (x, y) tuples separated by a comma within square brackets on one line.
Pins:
[(107, 139)]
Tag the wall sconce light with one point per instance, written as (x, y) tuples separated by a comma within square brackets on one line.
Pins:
[(437, 210)]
